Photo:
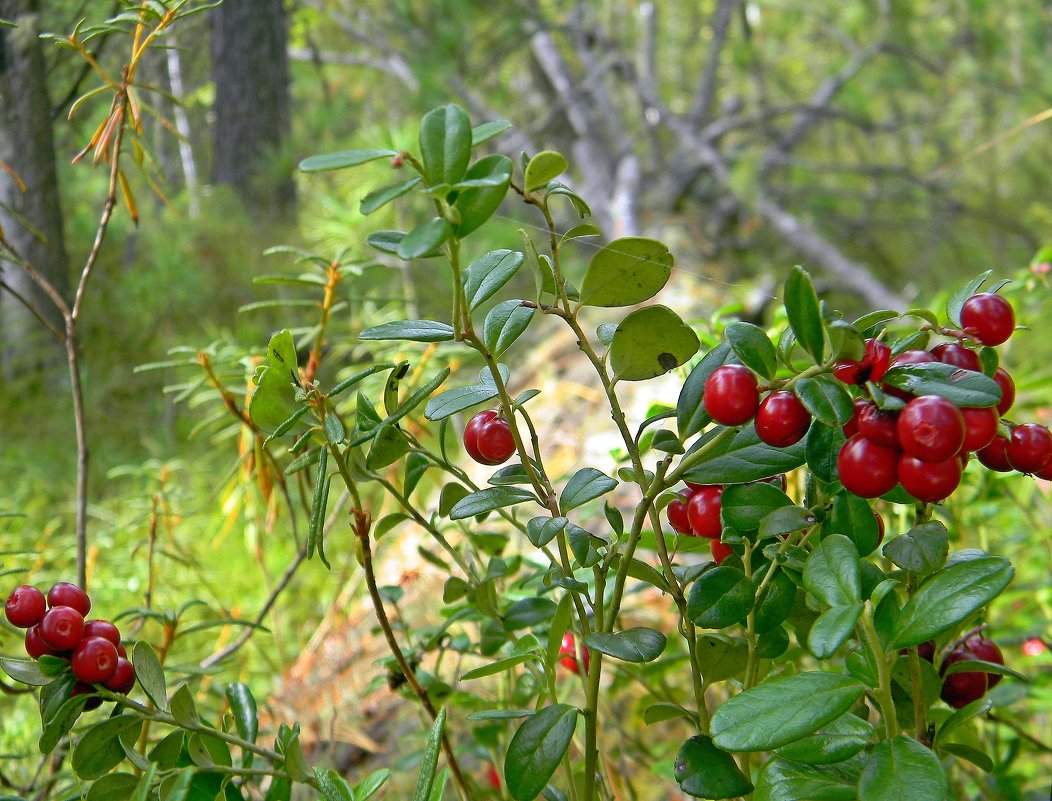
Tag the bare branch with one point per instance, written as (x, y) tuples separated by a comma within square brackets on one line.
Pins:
[(706, 90)]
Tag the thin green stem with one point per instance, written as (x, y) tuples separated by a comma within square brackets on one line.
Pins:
[(883, 691)]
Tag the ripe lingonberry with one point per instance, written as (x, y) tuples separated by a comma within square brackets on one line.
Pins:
[(995, 455), (25, 606), (903, 359), (123, 678), (104, 629), (95, 660), (62, 627), (782, 419), (880, 528), (926, 651), (878, 426), (1004, 380), (488, 439), (980, 427), (989, 317), (703, 512), (958, 355), (929, 481), (66, 594), (732, 395), (866, 469), (987, 651), (35, 645), (568, 654), (677, 516), (1045, 473), (493, 777), (871, 367), (719, 551), (960, 689), (851, 426), (83, 688), (931, 428), (1029, 448)]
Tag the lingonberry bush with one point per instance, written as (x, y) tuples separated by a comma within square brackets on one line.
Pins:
[(809, 657)]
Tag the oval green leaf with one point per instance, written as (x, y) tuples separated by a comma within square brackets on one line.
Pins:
[(625, 272), (343, 159), (537, 749), (649, 342), (445, 144), (585, 485), (902, 768), (753, 348), (720, 597), (704, 771), (631, 645)]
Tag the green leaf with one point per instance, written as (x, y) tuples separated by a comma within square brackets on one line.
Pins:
[(478, 205), (785, 521), (445, 145), (24, 670), (528, 612), (782, 710), (60, 724), (721, 656), (720, 597), (430, 759), (921, 550), (542, 530), (115, 787), (745, 458), (584, 545), (333, 786), (379, 198), (982, 666), (485, 132), (788, 781), (504, 324), (836, 741), (704, 771), (691, 416), (631, 645), (342, 159), (559, 626), (978, 707), (832, 573), (853, 517), (585, 485), (625, 272), (902, 768), (486, 500), (743, 506), (822, 445), (246, 719), (542, 168), (487, 274), (316, 522), (448, 403), (411, 330), (580, 231), (150, 674), (99, 751), (956, 301), (805, 316), (389, 445), (776, 601), (949, 597), (424, 239), (499, 666), (832, 628), (557, 188), (182, 707), (826, 399), (649, 342), (664, 710), (753, 348), (273, 400), (973, 755), (536, 750), (368, 787), (963, 387)]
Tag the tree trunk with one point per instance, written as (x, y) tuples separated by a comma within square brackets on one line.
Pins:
[(251, 72), (31, 219)]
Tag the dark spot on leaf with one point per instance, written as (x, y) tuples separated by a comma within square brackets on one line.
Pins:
[(959, 375), (667, 361), (277, 356)]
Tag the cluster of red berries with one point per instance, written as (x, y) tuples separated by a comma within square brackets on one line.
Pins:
[(732, 398), (55, 626), (488, 439), (960, 689)]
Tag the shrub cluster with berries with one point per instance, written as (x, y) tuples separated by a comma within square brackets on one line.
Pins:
[(55, 626)]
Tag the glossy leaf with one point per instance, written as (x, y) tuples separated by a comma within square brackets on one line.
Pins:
[(743, 506), (486, 500), (429, 761), (722, 657), (921, 550), (487, 274), (60, 724), (528, 612), (630, 645), (832, 573), (26, 671), (801, 306), (536, 750), (500, 666), (902, 768), (956, 301), (445, 146), (504, 324), (448, 403), (379, 198), (114, 787), (99, 751), (753, 348), (720, 597), (963, 387), (832, 628), (650, 342), (785, 520), (826, 399), (485, 132), (585, 485), (853, 517), (745, 458), (410, 330), (705, 771), (149, 673), (423, 240), (789, 781), (542, 168), (246, 719), (479, 204), (343, 159), (836, 741), (625, 272)]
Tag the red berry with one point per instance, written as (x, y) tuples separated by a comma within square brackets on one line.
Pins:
[(782, 419), (851, 426), (1045, 473), (926, 651), (995, 455), (929, 481), (865, 469), (677, 516), (568, 654), (83, 688), (1030, 448), (488, 439), (880, 528), (35, 645), (62, 628), (719, 551), (123, 678), (121, 651), (988, 652), (958, 355), (732, 396), (493, 777), (980, 427), (95, 660), (989, 317), (703, 512), (1004, 380), (66, 594), (104, 629), (931, 428), (904, 358), (25, 606), (878, 426), (871, 367)]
